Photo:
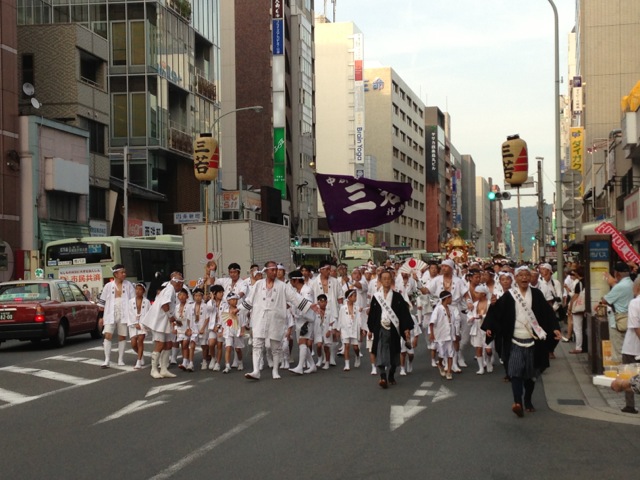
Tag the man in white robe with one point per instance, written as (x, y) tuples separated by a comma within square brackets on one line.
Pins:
[(161, 320), (267, 302)]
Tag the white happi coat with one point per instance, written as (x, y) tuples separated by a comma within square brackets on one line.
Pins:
[(333, 295), (459, 289), (108, 298), (157, 319), (240, 287), (269, 308), (134, 317)]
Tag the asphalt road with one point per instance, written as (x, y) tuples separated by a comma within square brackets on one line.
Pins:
[(64, 417)]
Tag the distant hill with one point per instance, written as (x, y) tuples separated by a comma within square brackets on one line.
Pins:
[(530, 225)]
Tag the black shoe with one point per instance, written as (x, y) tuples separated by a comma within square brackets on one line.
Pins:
[(629, 410)]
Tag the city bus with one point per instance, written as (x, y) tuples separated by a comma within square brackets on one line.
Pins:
[(357, 254), (310, 255), (89, 260), (419, 254)]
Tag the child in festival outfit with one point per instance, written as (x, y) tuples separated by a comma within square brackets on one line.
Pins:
[(478, 336), (319, 328), (139, 306), (232, 331), (197, 313), (349, 322), (443, 329), (213, 307), (183, 327)]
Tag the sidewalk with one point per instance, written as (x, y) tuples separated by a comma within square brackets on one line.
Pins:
[(569, 390)]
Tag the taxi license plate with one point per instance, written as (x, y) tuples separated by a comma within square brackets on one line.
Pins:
[(6, 315)]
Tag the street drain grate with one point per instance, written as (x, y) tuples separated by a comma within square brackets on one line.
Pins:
[(569, 401)]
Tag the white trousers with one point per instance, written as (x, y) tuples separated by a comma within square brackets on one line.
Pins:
[(259, 345)]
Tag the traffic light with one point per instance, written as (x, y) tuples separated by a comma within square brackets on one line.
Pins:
[(552, 242), (533, 238), (494, 196)]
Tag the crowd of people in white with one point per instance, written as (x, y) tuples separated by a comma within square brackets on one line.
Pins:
[(327, 313)]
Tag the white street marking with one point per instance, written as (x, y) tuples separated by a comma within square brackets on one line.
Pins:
[(402, 413), (136, 406), (426, 384), (91, 361), (420, 393), (172, 386), (176, 467), (49, 375), (13, 398), (443, 394)]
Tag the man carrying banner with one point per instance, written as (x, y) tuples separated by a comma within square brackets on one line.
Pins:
[(390, 322)]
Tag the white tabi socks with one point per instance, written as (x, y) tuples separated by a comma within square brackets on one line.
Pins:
[(489, 361), (122, 344), (480, 366), (302, 357), (276, 364), (155, 356), (107, 353), (312, 366), (164, 364), (174, 355), (257, 358), (455, 368), (461, 362)]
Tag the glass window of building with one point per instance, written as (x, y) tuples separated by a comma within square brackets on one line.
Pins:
[(118, 43), (119, 115), (138, 43), (62, 206)]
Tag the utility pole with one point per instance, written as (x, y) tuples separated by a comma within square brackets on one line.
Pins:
[(541, 223)]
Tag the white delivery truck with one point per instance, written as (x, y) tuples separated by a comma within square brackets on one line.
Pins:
[(241, 241)]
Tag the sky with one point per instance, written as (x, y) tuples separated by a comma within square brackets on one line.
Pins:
[(489, 63)]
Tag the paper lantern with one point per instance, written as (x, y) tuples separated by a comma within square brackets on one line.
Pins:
[(515, 161), (206, 158)]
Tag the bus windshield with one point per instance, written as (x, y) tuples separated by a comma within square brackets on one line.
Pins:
[(355, 254), (65, 254)]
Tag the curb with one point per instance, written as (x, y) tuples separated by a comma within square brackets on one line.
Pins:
[(569, 390)]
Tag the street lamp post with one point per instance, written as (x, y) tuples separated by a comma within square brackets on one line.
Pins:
[(543, 238), (556, 115), (255, 108)]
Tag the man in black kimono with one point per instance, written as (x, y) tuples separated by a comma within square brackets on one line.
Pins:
[(524, 327), (390, 322)]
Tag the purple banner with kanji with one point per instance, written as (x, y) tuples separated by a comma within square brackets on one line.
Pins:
[(358, 203)]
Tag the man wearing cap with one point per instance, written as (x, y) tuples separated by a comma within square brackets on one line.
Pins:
[(114, 302), (524, 324), (618, 298), (160, 319), (268, 304)]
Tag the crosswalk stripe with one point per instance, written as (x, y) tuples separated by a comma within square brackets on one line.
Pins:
[(91, 361), (49, 375), (13, 398)]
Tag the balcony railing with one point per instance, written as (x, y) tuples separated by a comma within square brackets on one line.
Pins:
[(206, 88), (181, 7), (179, 139)]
